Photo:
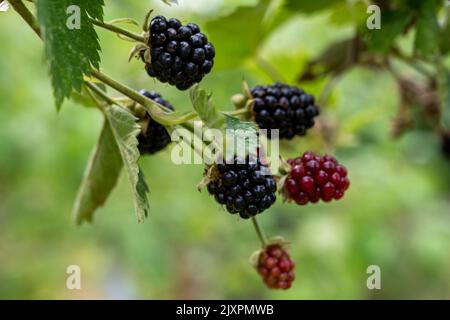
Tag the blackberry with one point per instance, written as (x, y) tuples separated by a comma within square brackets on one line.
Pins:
[(283, 107), (276, 267), (244, 187), (180, 55), (445, 144), (314, 177), (154, 136)]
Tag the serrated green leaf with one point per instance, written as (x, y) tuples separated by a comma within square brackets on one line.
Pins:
[(70, 52), (238, 35), (243, 135), (125, 129), (100, 178), (233, 123), (392, 24), (427, 39), (202, 103), (308, 6)]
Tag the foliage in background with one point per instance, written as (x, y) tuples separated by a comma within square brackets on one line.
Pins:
[(396, 217)]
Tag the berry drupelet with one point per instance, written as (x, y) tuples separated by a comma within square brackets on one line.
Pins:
[(244, 187), (313, 178), (180, 55), (276, 267), (283, 107), (154, 136)]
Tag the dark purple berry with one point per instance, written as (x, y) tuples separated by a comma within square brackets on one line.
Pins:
[(155, 136), (180, 55)]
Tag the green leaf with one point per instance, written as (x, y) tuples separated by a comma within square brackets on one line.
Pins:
[(238, 35), (70, 52), (125, 129), (344, 13), (100, 178), (243, 134), (392, 24), (427, 39), (308, 6), (202, 102), (233, 123)]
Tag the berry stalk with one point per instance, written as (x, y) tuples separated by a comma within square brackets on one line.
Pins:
[(118, 30), (259, 232), (26, 15), (144, 101)]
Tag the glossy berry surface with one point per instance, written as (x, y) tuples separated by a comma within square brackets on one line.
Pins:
[(313, 178), (154, 136), (276, 267), (180, 55), (283, 107), (245, 187)]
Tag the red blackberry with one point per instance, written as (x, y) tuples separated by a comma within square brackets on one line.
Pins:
[(276, 267), (312, 178), (283, 107), (445, 144), (244, 186), (154, 136), (180, 55)]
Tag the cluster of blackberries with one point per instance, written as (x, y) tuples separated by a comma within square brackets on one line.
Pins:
[(244, 187), (288, 109), (180, 55), (154, 136), (276, 267), (314, 177)]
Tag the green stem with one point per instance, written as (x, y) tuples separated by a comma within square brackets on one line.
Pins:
[(127, 91), (101, 94), (259, 232), (90, 91), (237, 112), (26, 15), (116, 29)]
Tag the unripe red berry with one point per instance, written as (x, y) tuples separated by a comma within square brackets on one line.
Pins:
[(276, 267), (313, 178)]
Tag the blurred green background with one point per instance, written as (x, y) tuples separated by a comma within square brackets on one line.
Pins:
[(396, 214)]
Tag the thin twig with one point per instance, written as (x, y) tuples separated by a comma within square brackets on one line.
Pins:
[(259, 232), (26, 15), (116, 29)]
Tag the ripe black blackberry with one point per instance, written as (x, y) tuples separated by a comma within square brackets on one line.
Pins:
[(154, 136), (244, 187), (283, 107), (180, 55)]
